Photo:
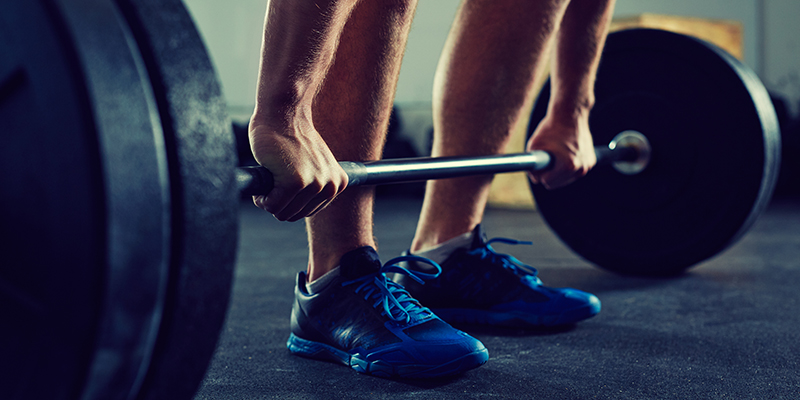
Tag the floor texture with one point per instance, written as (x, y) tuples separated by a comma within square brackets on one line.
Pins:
[(728, 329)]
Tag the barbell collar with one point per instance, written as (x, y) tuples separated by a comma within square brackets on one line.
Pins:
[(639, 148)]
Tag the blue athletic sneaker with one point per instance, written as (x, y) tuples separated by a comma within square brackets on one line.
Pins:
[(480, 286), (364, 320)]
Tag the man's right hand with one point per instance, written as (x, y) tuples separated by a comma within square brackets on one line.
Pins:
[(306, 174)]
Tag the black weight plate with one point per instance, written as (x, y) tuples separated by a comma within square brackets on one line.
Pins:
[(201, 159), (715, 156), (85, 204), (51, 209)]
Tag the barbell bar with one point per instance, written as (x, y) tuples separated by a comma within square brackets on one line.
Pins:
[(629, 151)]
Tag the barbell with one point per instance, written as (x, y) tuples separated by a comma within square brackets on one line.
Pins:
[(119, 242), (628, 153)]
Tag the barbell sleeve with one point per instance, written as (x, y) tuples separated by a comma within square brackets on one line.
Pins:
[(606, 156), (253, 181), (258, 180)]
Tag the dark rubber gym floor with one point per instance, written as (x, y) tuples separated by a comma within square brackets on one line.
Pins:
[(728, 329)]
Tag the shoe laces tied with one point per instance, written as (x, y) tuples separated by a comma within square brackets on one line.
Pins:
[(524, 271), (396, 301)]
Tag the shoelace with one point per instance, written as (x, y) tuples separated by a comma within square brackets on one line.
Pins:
[(525, 271), (397, 302)]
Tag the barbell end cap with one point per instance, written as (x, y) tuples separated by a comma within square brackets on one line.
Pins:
[(254, 181), (630, 142)]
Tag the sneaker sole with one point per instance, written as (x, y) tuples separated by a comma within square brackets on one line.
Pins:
[(380, 368), (515, 319)]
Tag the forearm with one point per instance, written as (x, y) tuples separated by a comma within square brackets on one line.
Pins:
[(579, 44), (487, 71), (300, 39)]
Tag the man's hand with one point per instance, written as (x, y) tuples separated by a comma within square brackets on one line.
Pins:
[(300, 40), (564, 131), (569, 141), (306, 174)]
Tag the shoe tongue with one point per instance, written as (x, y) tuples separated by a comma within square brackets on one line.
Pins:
[(359, 262), (478, 237)]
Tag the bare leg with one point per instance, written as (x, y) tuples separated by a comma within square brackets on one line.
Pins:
[(351, 113), (475, 111)]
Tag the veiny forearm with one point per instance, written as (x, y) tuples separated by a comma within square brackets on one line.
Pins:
[(579, 44), (300, 39)]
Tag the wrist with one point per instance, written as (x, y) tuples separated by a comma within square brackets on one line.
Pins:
[(571, 109), (279, 111)]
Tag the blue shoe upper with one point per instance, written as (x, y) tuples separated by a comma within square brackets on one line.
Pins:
[(525, 272), (478, 284), (397, 303), (364, 319)]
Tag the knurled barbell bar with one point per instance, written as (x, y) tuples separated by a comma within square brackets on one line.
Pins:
[(118, 249)]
